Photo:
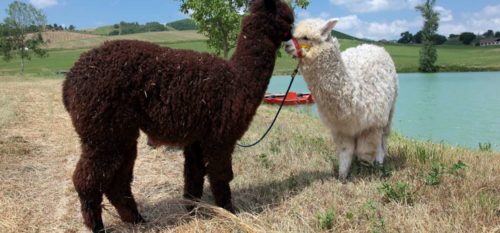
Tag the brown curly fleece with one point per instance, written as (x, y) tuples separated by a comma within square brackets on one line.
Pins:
[(177, 97)]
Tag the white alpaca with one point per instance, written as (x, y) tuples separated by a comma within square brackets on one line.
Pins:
[(355, 91)]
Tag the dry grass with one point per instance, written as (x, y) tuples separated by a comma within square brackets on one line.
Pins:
[(282, 185), (54, 39)]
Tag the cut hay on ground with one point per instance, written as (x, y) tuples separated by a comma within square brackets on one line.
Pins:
[(282, 185)]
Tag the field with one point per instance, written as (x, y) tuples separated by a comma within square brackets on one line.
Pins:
[(285, 184), (65, 49)]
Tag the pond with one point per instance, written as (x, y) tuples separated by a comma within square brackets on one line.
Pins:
[(453, 108)]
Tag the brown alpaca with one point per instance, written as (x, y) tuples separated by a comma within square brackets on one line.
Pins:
[(177, 97)]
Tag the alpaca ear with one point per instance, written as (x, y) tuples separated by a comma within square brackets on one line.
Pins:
[(327, 29)]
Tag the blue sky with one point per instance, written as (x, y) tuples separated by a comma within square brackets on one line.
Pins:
[(374, 19)]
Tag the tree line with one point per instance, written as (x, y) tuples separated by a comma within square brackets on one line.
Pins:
[(466, 38), (124, 28), (55, 27)]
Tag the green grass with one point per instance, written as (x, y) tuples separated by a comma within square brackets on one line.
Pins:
[(102, 31), (450, 57)]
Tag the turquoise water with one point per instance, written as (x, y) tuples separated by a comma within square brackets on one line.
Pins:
[(453, 108)]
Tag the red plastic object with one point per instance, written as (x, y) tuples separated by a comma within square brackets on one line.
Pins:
[(293, 98)]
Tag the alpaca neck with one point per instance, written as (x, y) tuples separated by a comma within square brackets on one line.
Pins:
[(326, 72), (254, 60)]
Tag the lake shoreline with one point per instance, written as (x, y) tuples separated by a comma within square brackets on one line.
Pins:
[(447, 107), (442, 69)]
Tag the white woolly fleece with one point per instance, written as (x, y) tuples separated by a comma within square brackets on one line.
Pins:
[(355, 92)]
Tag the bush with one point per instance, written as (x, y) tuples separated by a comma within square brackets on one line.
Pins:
[(467, 37), (114, 33)]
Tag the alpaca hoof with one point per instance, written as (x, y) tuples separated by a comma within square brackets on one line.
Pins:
[(229, 207), (139, 220), (366, 163), (99, 228), (191, 209), (343, 178)]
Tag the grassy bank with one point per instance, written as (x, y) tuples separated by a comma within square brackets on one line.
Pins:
[(285, 184), (63, 53)]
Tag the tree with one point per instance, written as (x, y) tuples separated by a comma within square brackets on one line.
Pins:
[(154, 27), (417, 38), (23, 27), (71, 28), (497, 34), (406, 38), (219, 20), (428, 53), (439, 39), (489, 34), (467, 37)]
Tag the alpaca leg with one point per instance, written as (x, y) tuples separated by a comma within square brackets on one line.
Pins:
[(89, 193), (381, 152), (386, 132), (194, 172), (369, 146), (119, 191), (345, 149), (89, 177), (100, 166), (220, 173)]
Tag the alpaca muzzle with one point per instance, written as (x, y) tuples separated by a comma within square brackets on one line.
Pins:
[(299, 47)]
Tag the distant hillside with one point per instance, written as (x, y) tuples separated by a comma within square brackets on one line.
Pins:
[(183, 25), (101, 31), (59, 37), (68, 40), (341, 35)]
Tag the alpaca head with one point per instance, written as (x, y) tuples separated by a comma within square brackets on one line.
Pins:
[(310, 37), (275, 19)]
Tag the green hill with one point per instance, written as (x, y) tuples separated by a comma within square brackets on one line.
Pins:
[(101, 31), (341, 35), (64, 52), (183, 25)]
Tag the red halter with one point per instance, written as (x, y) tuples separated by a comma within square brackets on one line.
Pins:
[(297, 48)]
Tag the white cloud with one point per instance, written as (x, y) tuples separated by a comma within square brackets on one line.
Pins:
[(352, 24), (489, 11), (363, 6), (445, 15), (349, 22), (387, 30), (43, 3), (476, 22)]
